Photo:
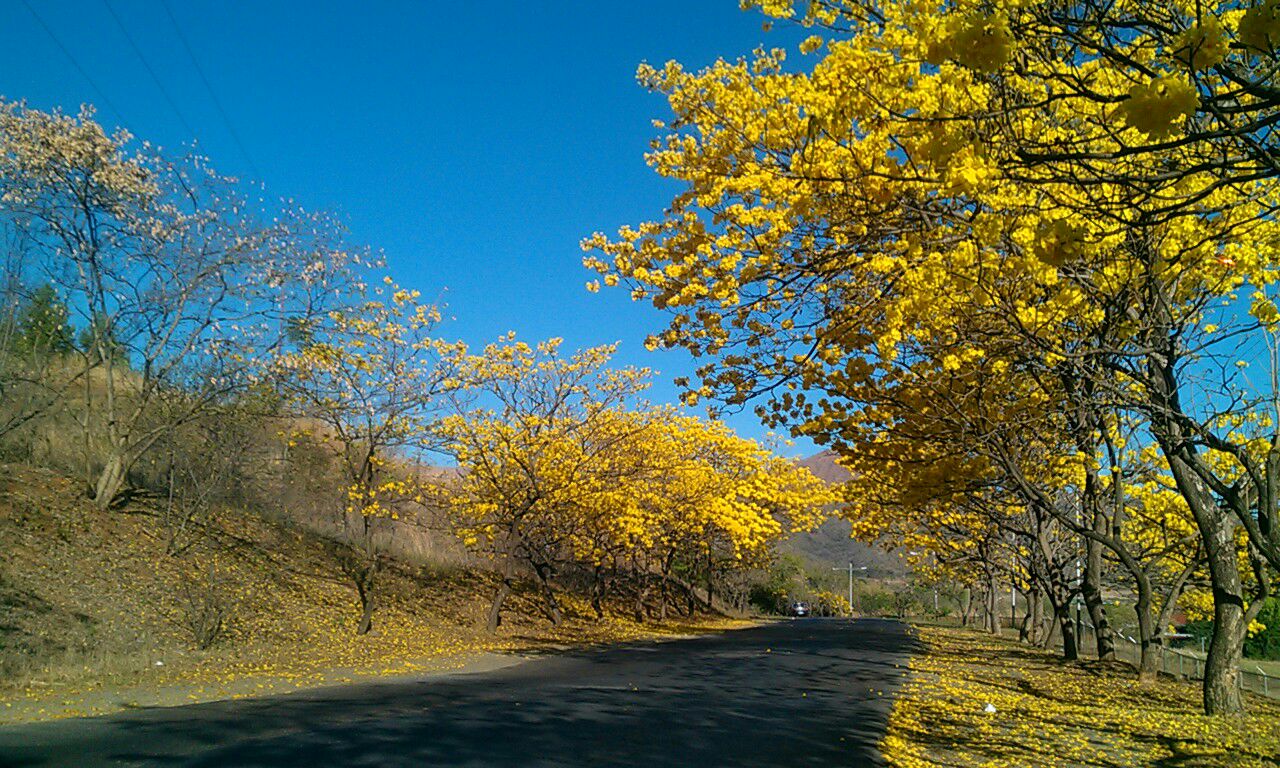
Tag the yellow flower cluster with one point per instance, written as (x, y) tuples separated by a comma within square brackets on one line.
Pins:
[(1259, 27), (1158, 107), (1203, 45), (564, 470), (979, 41)]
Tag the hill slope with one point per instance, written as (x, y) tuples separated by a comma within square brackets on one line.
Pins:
[(829, 545), (95, 606)]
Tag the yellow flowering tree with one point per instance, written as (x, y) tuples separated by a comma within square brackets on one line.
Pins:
[(562, 468), (530, 452), (699, 503), (1169, 101), (868, 221), (370, 382)]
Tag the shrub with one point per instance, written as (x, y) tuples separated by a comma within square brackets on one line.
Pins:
[(1266, 644)]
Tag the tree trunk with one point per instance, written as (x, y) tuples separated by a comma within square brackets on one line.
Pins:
[(1222, 666), (1148, 662), (1092, 591), (1027, 628), (365, 584), (1216, 526), (597, 592), (993, 605), (1039, 624), (550, 605), (710, 588), (111, 480), (1070, 649), (1035, 621), (495, 609), (1221, 690), (642, 591), (366, 613), (664, 588), (662, 599)]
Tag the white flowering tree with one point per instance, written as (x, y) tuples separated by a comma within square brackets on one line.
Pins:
[(182, 283)]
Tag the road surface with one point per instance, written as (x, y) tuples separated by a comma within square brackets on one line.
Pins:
[(806, 692)]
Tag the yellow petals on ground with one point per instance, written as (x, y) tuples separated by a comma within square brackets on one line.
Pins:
[(1048, 712)]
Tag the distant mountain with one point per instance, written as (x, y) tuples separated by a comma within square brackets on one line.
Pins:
[(825, 467), (829, 544)]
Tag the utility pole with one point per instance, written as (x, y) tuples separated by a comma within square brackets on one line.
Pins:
[(1013, 604), (851, 569)]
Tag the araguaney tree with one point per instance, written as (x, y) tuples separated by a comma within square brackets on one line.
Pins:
[(372, 383), (1059, 82), (691, 501), (561, 467), (871, 218), (529, 453)]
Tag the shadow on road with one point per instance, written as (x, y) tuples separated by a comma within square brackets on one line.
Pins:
[(808, 692)]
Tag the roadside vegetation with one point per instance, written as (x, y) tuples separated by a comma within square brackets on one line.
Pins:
[(231, 446), (978, 700), (1015, 263), (98, 616)]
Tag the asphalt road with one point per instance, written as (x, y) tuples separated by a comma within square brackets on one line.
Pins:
[(805, 692)]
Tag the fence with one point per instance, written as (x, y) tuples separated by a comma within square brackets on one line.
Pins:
[(1175, 662), (1182, 664)]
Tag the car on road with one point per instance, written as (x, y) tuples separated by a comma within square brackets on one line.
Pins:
[(799, 608)]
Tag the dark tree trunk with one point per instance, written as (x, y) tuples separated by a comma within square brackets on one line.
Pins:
[(664, 589), (1221, 691), (366, 614), (1148, 662), (967, 609), (597, 592), (1027, 627), (495, 609), (642, 593), (993, 606), (365, 585), (551, 605), (1092, 592), (1070, 648), (710, 588), (1035, 614)]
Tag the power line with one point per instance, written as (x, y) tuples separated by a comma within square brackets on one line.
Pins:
[(106, 101), (208, 87), (191, 132)]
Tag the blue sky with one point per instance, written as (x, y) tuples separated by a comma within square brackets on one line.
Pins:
[(474, 143)]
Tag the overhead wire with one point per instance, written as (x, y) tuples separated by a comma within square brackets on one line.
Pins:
[(155, 78), (102, 95), (208, 86)]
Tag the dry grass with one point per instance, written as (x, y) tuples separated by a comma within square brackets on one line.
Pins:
[(94, 615), (1052, 713)]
